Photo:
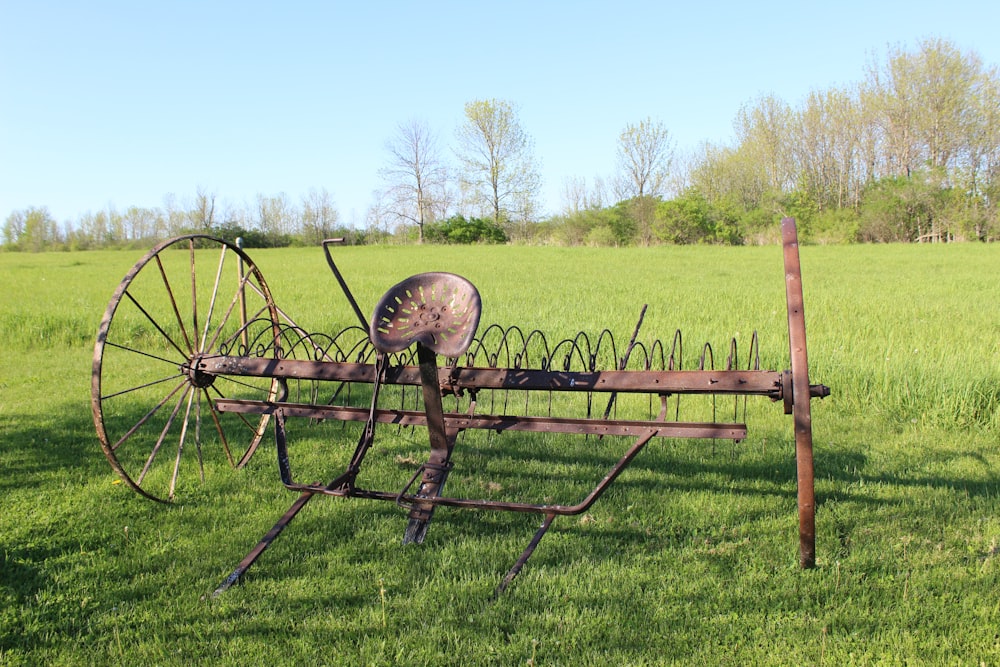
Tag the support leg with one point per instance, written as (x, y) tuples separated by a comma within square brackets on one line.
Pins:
[(442, 442), (264, 543), (516, 569)]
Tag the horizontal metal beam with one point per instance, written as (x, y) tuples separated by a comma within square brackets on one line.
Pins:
[(458, 420), (761, 383)]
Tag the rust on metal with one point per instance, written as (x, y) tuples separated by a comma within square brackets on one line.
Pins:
[(222, 356), (800, 395)]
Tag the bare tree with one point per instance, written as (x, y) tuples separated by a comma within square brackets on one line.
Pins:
[(319, 216), (827, 146), (578, 197), (498, 167), (175, 217), (416, 177), (276, 216), (202, 211), (142, 223), (763, 131), (645, 156), (376, 218)]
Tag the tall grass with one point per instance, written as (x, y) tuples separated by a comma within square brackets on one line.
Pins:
[(690, 557)]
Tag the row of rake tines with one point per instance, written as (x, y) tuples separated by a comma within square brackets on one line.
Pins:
[(497, 347)]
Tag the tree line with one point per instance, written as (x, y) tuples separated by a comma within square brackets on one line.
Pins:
[(909, 153)]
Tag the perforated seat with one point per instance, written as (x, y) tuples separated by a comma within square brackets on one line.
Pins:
[(439, 310)]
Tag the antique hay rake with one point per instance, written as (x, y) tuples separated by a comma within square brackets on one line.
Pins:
[(193, 353)]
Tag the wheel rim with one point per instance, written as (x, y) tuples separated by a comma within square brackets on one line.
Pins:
[(154, 411)]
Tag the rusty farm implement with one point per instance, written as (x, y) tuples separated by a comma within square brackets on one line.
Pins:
[(195, 363)]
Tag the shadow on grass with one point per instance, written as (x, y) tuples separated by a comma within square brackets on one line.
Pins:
[(44, 451), (39, 448)]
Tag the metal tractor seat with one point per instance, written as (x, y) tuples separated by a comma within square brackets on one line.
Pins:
[(438, 310)]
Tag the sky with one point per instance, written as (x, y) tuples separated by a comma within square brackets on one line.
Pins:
[(118, 104)]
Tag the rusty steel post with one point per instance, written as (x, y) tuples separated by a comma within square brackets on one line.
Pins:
[(800, 395)]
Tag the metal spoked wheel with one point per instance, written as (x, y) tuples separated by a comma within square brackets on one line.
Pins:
[(188, 298)]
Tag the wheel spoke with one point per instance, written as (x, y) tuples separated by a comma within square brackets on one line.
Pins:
[(156, 324), (173, 303), (197, 436), (163, 436), (194, 289), (242, 383), (229, 312), (219, 430), (133, 350), (211, 302), (180, 442), (144, 386), (147, 392), (147, 416)]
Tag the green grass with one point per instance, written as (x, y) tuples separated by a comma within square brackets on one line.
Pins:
[(691, 557)]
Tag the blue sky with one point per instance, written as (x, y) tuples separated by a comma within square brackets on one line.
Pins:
[(120, 103)]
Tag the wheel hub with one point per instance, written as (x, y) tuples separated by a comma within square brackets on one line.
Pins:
[(196, 376)]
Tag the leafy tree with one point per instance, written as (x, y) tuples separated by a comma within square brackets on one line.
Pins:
[(828, 145), (499, 175), (900, 209), (683, 220), (763, 130), (645, 156), (460, 230), (32, 229)]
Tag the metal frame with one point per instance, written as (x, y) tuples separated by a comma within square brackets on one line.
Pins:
[(397, 357)]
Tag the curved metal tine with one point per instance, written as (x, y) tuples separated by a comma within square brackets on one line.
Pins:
[(246, 318), (753, 364), (707, 352), (732, 363), (292, 323), (173, 303), (677, 348)]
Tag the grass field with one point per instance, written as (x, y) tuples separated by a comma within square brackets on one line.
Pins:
[(690, 558)]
